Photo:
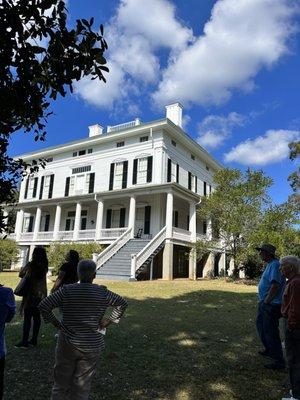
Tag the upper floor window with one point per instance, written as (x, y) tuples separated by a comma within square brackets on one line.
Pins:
[(78, 170), (142, 170), (174, 143), (80, 184), (118, 178), (120, 144), (192, 157), (81, 152), (144, 139), (50, 159), (118, 175), (46, 188), (192, 182), (90, 151), (207, 167), (30, 187)]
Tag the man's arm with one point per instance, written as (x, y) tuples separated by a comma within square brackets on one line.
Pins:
[(11, 306), (272, 292), (47, 306), (58, 281), (119, 305)]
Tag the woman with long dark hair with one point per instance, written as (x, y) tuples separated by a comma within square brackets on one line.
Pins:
[(36, 272)]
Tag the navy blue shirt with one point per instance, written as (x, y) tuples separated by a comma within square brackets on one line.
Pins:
[(7, 312), (271, 274)]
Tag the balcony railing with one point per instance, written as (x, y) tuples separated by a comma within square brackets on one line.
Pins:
[(120, 127), (181, 234)]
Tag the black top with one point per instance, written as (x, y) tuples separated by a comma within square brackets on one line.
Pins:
[(70, 270)]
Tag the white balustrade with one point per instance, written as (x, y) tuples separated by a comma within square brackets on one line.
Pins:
[(138, 260), (181, 234), (113, 248), (45, 235), (127, 125), (87, 234), (26, 236), (65, 235), (112, 232)]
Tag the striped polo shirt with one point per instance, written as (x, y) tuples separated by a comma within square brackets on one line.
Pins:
[(83, 306)]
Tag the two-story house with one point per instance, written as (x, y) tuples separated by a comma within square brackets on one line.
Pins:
[(134, 187)]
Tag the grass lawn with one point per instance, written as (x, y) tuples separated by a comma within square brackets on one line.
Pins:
[(179, 340)]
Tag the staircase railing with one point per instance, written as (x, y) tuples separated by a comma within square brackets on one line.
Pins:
[(106, 254), (137, 260)]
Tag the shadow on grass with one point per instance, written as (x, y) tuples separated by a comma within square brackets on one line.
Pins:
[(200, 345)]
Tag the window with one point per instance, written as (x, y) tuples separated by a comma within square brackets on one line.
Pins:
[(79, 184), (78, 170), (75, 154), (90, 151), (142, 170), (50, 159), (120, 144), (144, 139), (174, 143), (207, 167), (192, 182), (192, 157), (32, 188), (28, 224), (118, 176), (81, 152)]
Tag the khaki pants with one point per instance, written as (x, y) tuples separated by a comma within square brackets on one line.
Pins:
[(73, 371)]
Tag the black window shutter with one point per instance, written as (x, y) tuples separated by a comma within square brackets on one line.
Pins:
[(149, 169), (47, 222), (204, 227), (42, 187), (51, 186), (26, 188), (176, 219), (108, 218), (169, 172), (190, 181), (147, 220), (134, 174), (83, 224), (68, 224), (188, 221), (30, 226), (111, 176), (67, 187), (125, 171), (35, 187), (122, 217), (92, 182), (177, 173), (196, 184), (204, 189)]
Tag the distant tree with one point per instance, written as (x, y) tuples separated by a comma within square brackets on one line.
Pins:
[(235, 208), (294, 177), (40, 57), (8, 253)]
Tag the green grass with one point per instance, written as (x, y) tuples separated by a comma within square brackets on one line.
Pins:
[(178, 340)]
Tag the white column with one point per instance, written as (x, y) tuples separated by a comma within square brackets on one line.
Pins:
[(209, 230), (99, 220), (57, 222), (19, 224), (131, 219), (192, 224), (37, 222), (77, 221), (169, 215)]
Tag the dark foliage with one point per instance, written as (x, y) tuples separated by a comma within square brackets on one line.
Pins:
[(40, 58)]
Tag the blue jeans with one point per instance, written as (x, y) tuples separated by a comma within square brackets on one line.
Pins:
[(267, 324)]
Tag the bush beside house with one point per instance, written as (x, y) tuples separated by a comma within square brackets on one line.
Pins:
[(8, 253)]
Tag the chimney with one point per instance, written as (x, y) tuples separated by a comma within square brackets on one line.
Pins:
[(95, 130), (174, 113)]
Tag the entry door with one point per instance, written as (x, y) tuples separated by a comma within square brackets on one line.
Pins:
[(140, 219)]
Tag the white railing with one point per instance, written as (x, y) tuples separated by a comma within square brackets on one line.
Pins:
[(65, 235), (86, 234), (181, 234), (45, 235), (137, 260), (113, 248), (112, 232), (201, 236), (26, 236), (120, 127)]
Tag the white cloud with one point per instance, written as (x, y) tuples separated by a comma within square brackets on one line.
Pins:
[(134, 34), (214, 129), (241, 38), (268, 149)]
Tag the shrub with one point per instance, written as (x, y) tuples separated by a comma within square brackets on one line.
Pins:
[(8, 253), (57, 251), (252, 267)]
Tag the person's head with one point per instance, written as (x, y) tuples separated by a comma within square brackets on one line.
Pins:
[(39, 255), (86, 270), (266, 252), (73, 256), (290, 266)]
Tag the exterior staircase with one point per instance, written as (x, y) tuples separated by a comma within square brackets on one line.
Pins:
[(118, 267)]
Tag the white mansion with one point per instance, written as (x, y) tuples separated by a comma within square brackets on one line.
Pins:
[(134, 188)]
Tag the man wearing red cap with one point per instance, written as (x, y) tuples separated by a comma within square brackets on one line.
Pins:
[(270, 291)]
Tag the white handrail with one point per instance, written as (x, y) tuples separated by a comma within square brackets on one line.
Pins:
[(146, 252), (106, 254)]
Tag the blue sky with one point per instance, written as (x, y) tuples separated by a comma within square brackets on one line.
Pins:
[(233, 64)]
